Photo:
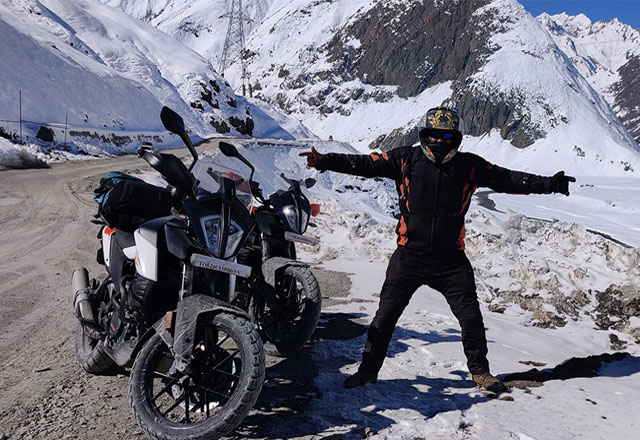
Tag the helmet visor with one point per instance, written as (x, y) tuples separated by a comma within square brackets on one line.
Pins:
[(440, 135), (429, 135)]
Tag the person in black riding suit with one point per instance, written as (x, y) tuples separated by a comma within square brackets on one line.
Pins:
[(435, 183)]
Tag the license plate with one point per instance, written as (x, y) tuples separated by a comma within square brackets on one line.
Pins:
[(220, 265), (300, 238)]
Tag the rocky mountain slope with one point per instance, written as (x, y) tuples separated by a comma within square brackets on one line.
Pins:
[(607, 54), (364, 72)]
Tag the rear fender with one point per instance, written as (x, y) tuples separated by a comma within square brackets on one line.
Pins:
[(188, 312)]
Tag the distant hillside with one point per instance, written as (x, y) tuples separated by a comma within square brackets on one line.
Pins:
[(108, 75)]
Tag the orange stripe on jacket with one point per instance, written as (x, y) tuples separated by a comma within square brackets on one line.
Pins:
[(467, 200), (466, 197), (406, 184), (401, 230), (376, 156), (460, 242)]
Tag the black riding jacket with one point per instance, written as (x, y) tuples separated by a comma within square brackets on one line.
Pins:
[(434, 198)]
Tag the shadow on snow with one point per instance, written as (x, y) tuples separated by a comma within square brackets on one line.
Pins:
[(303, 394), (619, 364)]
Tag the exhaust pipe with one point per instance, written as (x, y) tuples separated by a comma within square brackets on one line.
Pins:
[(80, 289)]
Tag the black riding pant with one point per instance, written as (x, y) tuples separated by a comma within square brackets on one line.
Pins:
[(449, 273)]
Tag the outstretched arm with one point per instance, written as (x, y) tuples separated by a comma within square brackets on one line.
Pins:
[(518, 182), (373, 165)]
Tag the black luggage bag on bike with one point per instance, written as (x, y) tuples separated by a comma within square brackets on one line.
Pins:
[(125, 202)]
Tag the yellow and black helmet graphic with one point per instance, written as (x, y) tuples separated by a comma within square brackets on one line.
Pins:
[(440, 132), (442, 119)]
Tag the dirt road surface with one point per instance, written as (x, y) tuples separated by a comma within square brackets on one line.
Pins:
[(45, 234)]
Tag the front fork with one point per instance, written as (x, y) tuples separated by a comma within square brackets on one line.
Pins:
[(189, 308), (187, 281)]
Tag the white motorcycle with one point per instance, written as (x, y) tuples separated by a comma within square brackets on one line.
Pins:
[(163, 308)]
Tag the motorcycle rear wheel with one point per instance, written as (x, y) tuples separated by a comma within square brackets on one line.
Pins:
[(291, 320), (90, 353), (227, 376)]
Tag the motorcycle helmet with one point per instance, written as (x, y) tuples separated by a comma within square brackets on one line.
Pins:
[(440, 131)]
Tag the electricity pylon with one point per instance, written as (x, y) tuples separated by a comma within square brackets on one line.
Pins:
[(234, 42)]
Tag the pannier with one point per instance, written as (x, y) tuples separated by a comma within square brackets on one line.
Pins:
[(125, 202)]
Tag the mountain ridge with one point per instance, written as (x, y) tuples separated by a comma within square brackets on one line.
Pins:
[(331, 64), (607, 54)]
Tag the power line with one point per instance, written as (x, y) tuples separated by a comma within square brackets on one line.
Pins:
[(234, 42)]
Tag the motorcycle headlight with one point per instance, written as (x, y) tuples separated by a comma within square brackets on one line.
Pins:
[(235, 236), (290, 214), (212, 227)]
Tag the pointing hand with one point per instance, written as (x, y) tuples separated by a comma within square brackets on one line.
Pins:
[(314, 159), (560, 183)]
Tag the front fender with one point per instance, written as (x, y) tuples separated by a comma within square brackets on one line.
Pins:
[(188, 311), (272, 265)]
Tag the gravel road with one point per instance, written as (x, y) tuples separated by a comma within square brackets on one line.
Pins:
[(45, 234)]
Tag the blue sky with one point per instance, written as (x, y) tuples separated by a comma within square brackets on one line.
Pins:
[(627, 11)]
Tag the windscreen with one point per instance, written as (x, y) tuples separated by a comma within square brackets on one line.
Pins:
[(284, 179), (209, 174)]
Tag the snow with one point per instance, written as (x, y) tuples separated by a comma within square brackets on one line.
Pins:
[(287, 127), (597, 49), (424, 389), (610, 206), (550, 86), (545, 259), (108, 75), (12, 155)]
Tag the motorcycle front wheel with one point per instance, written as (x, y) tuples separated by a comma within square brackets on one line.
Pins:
[(287, 322), (227, 374)]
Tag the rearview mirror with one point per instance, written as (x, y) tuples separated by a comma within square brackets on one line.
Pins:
[(228, 149), (172, 121), (309, 182), (231, 151)]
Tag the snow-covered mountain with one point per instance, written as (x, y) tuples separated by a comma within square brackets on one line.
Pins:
[(199, 24), (364, 72), (607, 54), (109, 74)]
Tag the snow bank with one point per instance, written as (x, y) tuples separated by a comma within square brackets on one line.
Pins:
[(554, 270), (18, 156)]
